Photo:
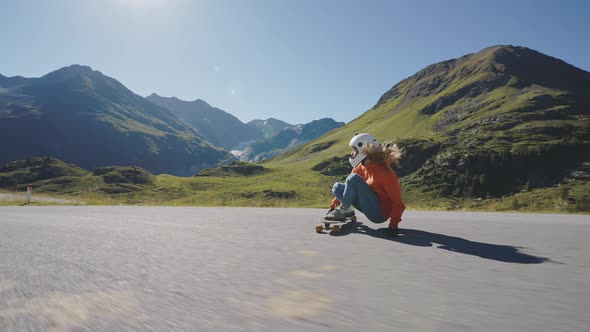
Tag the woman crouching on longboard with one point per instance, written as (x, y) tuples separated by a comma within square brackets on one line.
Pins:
[(372, 187)]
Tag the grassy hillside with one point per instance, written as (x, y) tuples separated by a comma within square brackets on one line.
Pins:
[(246, 184), (240, 184), (18, 174)]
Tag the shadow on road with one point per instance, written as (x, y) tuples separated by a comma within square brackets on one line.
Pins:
[(502, 253)]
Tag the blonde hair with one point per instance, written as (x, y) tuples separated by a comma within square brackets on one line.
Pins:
[(386, 153)]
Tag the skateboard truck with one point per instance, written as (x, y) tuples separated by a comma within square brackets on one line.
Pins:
[(334, 225)]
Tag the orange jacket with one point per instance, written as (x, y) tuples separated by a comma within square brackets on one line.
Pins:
[(385, 183)]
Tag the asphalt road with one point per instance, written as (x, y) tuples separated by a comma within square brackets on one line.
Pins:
[(249, 269)]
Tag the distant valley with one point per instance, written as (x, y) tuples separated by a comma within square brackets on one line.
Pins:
[(255, 141)]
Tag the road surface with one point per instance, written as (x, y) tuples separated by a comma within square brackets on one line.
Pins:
[(250, 269)]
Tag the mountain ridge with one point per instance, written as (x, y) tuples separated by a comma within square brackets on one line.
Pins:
[(271, 126), (212, 123), (67, 112), (253, 141), (288, 139)]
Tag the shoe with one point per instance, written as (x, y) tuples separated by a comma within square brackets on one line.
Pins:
[(339, 214), (349, 212), (390, 231)]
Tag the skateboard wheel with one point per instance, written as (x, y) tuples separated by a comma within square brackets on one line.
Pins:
[(319, 228), (336, 228)]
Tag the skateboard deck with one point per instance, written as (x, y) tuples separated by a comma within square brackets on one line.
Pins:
[(335, 225)]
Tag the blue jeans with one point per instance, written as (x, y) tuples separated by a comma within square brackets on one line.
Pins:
[(356, 192)]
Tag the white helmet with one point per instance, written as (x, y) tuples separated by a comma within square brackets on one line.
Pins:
[(357, 142)]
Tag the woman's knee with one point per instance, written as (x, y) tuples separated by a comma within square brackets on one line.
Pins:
[(338, 188)]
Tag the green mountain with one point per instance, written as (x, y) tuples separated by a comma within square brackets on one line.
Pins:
[(218, 127), (83, 117), (54, 177), (23, 172), (489, 124)]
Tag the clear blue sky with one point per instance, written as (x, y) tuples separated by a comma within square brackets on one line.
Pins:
[(296, 60)]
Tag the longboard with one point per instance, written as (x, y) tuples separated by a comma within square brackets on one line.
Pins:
[(335, 225)]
